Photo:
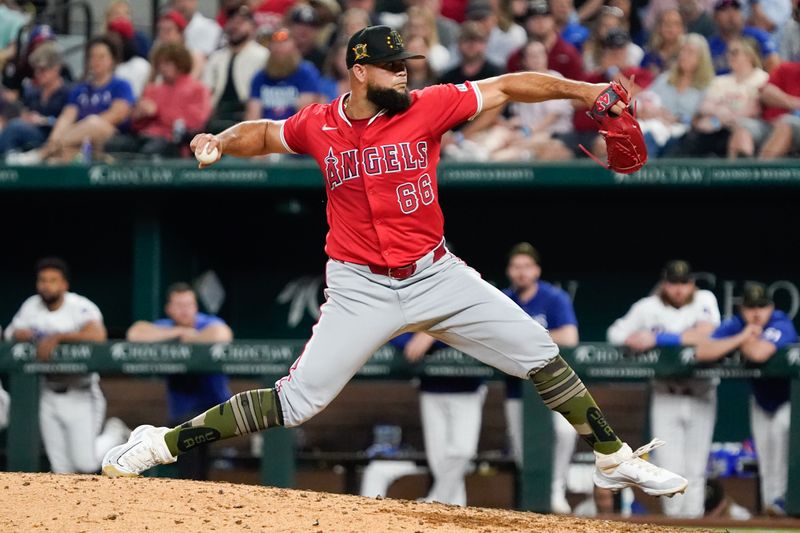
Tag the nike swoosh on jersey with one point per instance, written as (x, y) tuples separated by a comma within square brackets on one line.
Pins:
[(328, 128)]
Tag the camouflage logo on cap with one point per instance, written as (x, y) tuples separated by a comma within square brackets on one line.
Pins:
[(394, 40), (360, 50)]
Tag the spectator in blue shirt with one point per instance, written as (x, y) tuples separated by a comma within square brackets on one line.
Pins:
[(286, 85), (757, 333), (96, 109), (42, 102), (552, 308), (191, 394), (730, 25)]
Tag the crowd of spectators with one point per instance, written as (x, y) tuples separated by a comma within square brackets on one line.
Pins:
[(710, 77)]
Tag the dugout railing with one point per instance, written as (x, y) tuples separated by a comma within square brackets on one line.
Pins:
[(270, 359)]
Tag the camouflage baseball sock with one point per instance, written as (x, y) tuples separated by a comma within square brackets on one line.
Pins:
[(563, 391), (246, 412)]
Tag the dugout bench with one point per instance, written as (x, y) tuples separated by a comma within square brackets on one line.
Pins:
[(270, 359)]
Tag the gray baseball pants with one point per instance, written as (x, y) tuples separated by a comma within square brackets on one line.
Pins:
[(363, 311)]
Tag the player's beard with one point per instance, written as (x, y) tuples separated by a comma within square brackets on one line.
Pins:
[(50, 298), (391, 100)]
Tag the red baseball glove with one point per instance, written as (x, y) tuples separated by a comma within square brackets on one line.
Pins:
[(627, 152)]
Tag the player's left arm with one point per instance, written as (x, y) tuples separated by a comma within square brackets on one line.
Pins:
[(92, 331), (531, 87), (758, 350), (217, 332)]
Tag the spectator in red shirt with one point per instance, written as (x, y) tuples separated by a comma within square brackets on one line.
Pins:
[(777, 131), (167, 111), (561, 56)]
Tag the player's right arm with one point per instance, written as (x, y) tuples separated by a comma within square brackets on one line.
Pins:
[(143, 331), (247, 139), (21, 327)]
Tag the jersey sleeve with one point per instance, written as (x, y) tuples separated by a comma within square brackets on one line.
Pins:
[(448, 105), (74, 93), (122, 90), (623, 327), (294, 130), (781, 334), (563, 314), (710, 308), (88, 312), (728, 328), (21, 320)]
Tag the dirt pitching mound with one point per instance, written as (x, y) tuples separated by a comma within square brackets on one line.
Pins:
[(72, 504)]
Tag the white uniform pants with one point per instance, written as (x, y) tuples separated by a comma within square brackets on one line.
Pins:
[(451, 426), (363, 311), (70, 423), (688, 423), (564, 442), (771, 436)]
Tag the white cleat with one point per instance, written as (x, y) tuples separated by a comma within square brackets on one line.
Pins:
[(145, 449), (625, 468)]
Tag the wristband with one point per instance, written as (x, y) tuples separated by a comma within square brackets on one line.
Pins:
[(668, 339)]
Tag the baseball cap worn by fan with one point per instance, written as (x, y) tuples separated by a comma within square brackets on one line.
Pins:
[(122, 26), (538, 9), (242, 11), (678, 271), (177, 18), (724, 4), (377, 44), (304, 14), (755, 295), (478, 11)]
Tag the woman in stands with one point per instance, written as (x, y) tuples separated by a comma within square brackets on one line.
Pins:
[(96, 109)]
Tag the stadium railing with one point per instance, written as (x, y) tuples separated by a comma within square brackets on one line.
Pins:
[(270, 359)]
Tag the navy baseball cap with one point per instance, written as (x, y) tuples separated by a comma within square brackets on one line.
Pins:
[(755, 295), (377, 44)]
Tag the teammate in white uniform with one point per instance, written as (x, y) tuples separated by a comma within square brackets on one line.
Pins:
[(71, 407), (389, 271), (678, 314)]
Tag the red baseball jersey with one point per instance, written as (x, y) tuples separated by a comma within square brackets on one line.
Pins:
[(786, 77), (380, 173)]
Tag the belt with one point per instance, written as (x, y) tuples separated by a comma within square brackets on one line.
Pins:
[(407, 271), (680, 391), (63, 388)]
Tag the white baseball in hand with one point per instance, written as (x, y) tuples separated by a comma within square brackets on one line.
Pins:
[(206, 157)]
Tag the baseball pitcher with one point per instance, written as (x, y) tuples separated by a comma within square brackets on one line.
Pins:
[(389, 271)]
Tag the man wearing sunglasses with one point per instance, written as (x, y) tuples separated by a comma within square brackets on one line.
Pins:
[(389, 270)]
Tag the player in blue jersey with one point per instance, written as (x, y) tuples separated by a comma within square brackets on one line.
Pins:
[(758, 332), (551, 307), (189, 394)]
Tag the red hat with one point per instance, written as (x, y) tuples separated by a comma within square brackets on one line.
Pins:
[(177, 18), (121, 25)]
